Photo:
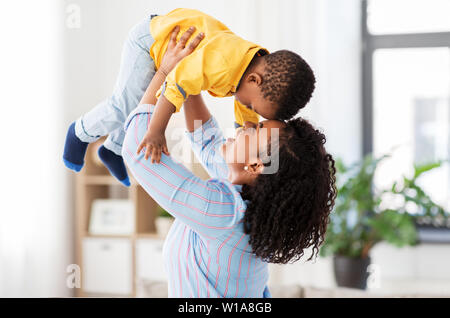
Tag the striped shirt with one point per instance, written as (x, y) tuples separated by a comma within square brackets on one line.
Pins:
[(206, 252)]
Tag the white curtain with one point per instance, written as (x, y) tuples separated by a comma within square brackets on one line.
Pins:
[(35, 220)]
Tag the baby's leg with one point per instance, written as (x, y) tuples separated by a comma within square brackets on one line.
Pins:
[(136, 71), (114, 162)]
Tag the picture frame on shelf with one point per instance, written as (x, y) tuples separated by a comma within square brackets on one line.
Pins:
[(112, 217)]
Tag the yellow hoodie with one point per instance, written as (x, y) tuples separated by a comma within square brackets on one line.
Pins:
[(216, 65)]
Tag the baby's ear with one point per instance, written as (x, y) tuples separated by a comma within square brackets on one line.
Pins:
[(255, 78)]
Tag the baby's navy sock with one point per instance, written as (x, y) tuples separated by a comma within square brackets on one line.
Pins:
[(115, 164), (74, 150)]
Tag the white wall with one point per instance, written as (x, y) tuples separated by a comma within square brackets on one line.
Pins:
[(325, 32)]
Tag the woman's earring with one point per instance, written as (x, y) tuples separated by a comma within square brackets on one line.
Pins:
[(246, 168)]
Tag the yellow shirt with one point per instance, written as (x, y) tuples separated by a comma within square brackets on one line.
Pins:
[(216, 65)]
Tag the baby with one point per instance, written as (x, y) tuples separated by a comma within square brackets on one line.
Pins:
[(275, 86)]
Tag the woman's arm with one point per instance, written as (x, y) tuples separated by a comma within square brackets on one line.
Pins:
[(211, 208), (154, 140), (174, 54), (195, 109), (156, 82), (206, 137)]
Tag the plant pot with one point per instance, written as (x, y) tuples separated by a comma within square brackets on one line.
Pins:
[(351, 272), (163, 225)]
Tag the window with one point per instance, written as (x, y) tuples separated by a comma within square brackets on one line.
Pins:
[(408, 16), (406, 89)]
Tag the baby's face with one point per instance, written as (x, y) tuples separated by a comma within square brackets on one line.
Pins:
[(256, 102)]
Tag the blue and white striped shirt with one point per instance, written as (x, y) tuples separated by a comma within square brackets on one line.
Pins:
[(206, 253)]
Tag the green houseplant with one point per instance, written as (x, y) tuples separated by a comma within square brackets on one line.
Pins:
[(359, 222)]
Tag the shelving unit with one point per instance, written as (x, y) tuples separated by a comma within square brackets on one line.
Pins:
[(95, 182)]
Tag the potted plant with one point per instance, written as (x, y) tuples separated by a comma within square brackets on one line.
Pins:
[(163, 222), (430, 218), (359, 222)]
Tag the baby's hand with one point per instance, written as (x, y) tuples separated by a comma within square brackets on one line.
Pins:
[(154, 144)]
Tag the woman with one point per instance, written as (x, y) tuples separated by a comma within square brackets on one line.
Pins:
[(228, 228)]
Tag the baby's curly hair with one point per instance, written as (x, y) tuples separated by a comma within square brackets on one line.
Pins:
[(288, 211), (288, 81)]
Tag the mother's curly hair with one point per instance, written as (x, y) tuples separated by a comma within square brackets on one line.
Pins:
[(288, 211)]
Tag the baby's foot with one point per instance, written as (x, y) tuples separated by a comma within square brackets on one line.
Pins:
[(74, 150), (115, 164)]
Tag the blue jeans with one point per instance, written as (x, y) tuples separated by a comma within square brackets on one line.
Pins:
[(136, 72)]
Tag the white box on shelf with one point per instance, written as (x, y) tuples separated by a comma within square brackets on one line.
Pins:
[(149, 259), (107, 266)]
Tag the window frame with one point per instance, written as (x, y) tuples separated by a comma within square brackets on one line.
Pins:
[(373, 42)]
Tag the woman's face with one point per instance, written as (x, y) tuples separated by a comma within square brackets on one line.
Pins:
[(241, 153)]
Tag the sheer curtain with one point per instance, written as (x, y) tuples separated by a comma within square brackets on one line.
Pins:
[(35, 219)]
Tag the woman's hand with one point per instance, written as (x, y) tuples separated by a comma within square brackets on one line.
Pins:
[(177, 51), (154, 140)]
